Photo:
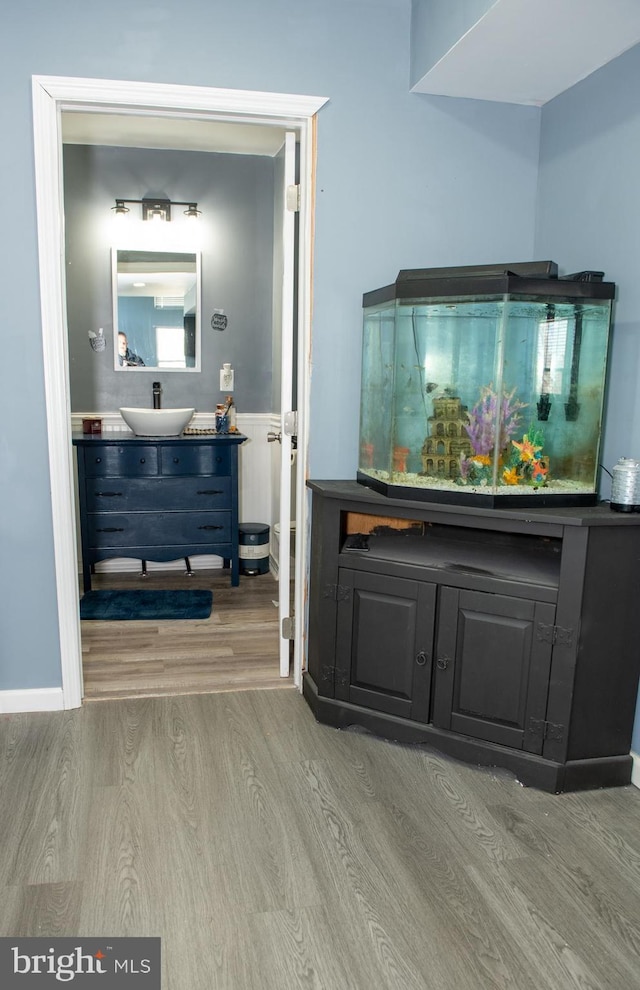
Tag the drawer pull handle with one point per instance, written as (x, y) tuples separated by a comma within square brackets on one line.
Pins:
[(111, 529), (98, 460), (176, 460), (108, 494), (442, 663), (213, 491), (421, 658), (210, 527), (142, 460)]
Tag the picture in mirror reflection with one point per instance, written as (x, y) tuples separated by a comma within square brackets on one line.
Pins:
[(156, 299)]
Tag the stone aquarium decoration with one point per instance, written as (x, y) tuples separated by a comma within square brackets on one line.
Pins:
[(485, 385)]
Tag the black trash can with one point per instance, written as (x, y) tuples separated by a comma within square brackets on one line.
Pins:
[(254, 548)]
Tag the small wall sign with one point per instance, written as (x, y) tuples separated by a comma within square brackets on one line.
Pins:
[(219, 321)]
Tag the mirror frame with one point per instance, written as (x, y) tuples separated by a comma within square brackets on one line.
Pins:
[(198, 323)]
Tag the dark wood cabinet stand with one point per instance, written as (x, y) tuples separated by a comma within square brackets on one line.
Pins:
[(502, 637)]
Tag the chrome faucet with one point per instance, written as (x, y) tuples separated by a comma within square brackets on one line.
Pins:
[(157, 395)]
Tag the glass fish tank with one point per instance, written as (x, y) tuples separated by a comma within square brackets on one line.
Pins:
[(485, 385)]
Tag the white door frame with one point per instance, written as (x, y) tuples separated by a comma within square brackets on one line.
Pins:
[(52, 95), (286, 405)]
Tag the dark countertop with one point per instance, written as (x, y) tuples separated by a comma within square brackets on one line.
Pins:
[(114, 437), (597, 515)]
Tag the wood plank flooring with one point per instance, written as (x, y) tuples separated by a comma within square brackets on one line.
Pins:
[(272, 853), (236, 648)]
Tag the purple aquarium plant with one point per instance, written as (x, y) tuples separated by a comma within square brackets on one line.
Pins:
[(481, 427)]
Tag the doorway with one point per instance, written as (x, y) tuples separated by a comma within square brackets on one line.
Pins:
[(51, 96)]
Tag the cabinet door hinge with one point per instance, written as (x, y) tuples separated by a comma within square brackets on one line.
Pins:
[(288, 627), (554, 634), (337, 592), (293, 199), (546, 730)]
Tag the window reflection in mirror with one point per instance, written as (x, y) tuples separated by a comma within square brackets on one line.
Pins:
[(156, 304)]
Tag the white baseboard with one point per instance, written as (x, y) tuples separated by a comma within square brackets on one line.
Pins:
[(635, 772), (35, 700)]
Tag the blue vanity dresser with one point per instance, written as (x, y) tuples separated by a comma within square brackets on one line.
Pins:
[(159, 498)]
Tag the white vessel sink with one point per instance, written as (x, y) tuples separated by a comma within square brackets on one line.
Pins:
[(156, 422)]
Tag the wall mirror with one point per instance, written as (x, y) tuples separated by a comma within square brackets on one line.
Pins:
[(156, 310)]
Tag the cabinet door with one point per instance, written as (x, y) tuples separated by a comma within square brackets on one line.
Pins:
[(492, 668), (384, 643)]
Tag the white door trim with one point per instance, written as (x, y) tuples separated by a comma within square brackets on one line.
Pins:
[(51, 95), (286, 388)]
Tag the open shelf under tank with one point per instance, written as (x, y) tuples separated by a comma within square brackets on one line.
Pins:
[(485, 386)]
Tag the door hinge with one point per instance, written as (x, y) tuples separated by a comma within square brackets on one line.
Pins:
[(293, 199), (554, 635), (290, 426), (288, 627), (546, 730), (337, 592)]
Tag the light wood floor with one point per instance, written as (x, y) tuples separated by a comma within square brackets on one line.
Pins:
[(272, 853), (236, 648)]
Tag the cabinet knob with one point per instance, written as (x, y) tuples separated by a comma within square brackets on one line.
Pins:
[(421, 658), (98, 459), (442, 663), (142, 460), (176, 460)]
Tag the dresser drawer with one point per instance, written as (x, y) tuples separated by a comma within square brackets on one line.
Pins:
[(179, 459), (131, 459), (156, 494), (158, 529)]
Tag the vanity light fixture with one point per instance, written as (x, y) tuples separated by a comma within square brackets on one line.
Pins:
[(155, 209)]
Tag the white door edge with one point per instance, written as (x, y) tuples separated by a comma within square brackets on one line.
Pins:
[(286, 389)]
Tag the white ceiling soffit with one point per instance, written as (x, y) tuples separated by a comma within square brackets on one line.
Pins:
[(529, 51), (156, 131)]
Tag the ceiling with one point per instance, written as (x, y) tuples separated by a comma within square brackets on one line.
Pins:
[(529, 51), (170, 132)]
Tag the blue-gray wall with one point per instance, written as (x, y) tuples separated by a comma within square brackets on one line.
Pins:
[(589, 217), (436, 26), (235, 233), (402, 181)]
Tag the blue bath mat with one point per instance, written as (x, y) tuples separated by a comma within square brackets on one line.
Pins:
[(193, 603)]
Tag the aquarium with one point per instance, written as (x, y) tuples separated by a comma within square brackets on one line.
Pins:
[(485, 385)]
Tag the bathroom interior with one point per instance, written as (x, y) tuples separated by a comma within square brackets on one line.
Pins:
[(232, 174)]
